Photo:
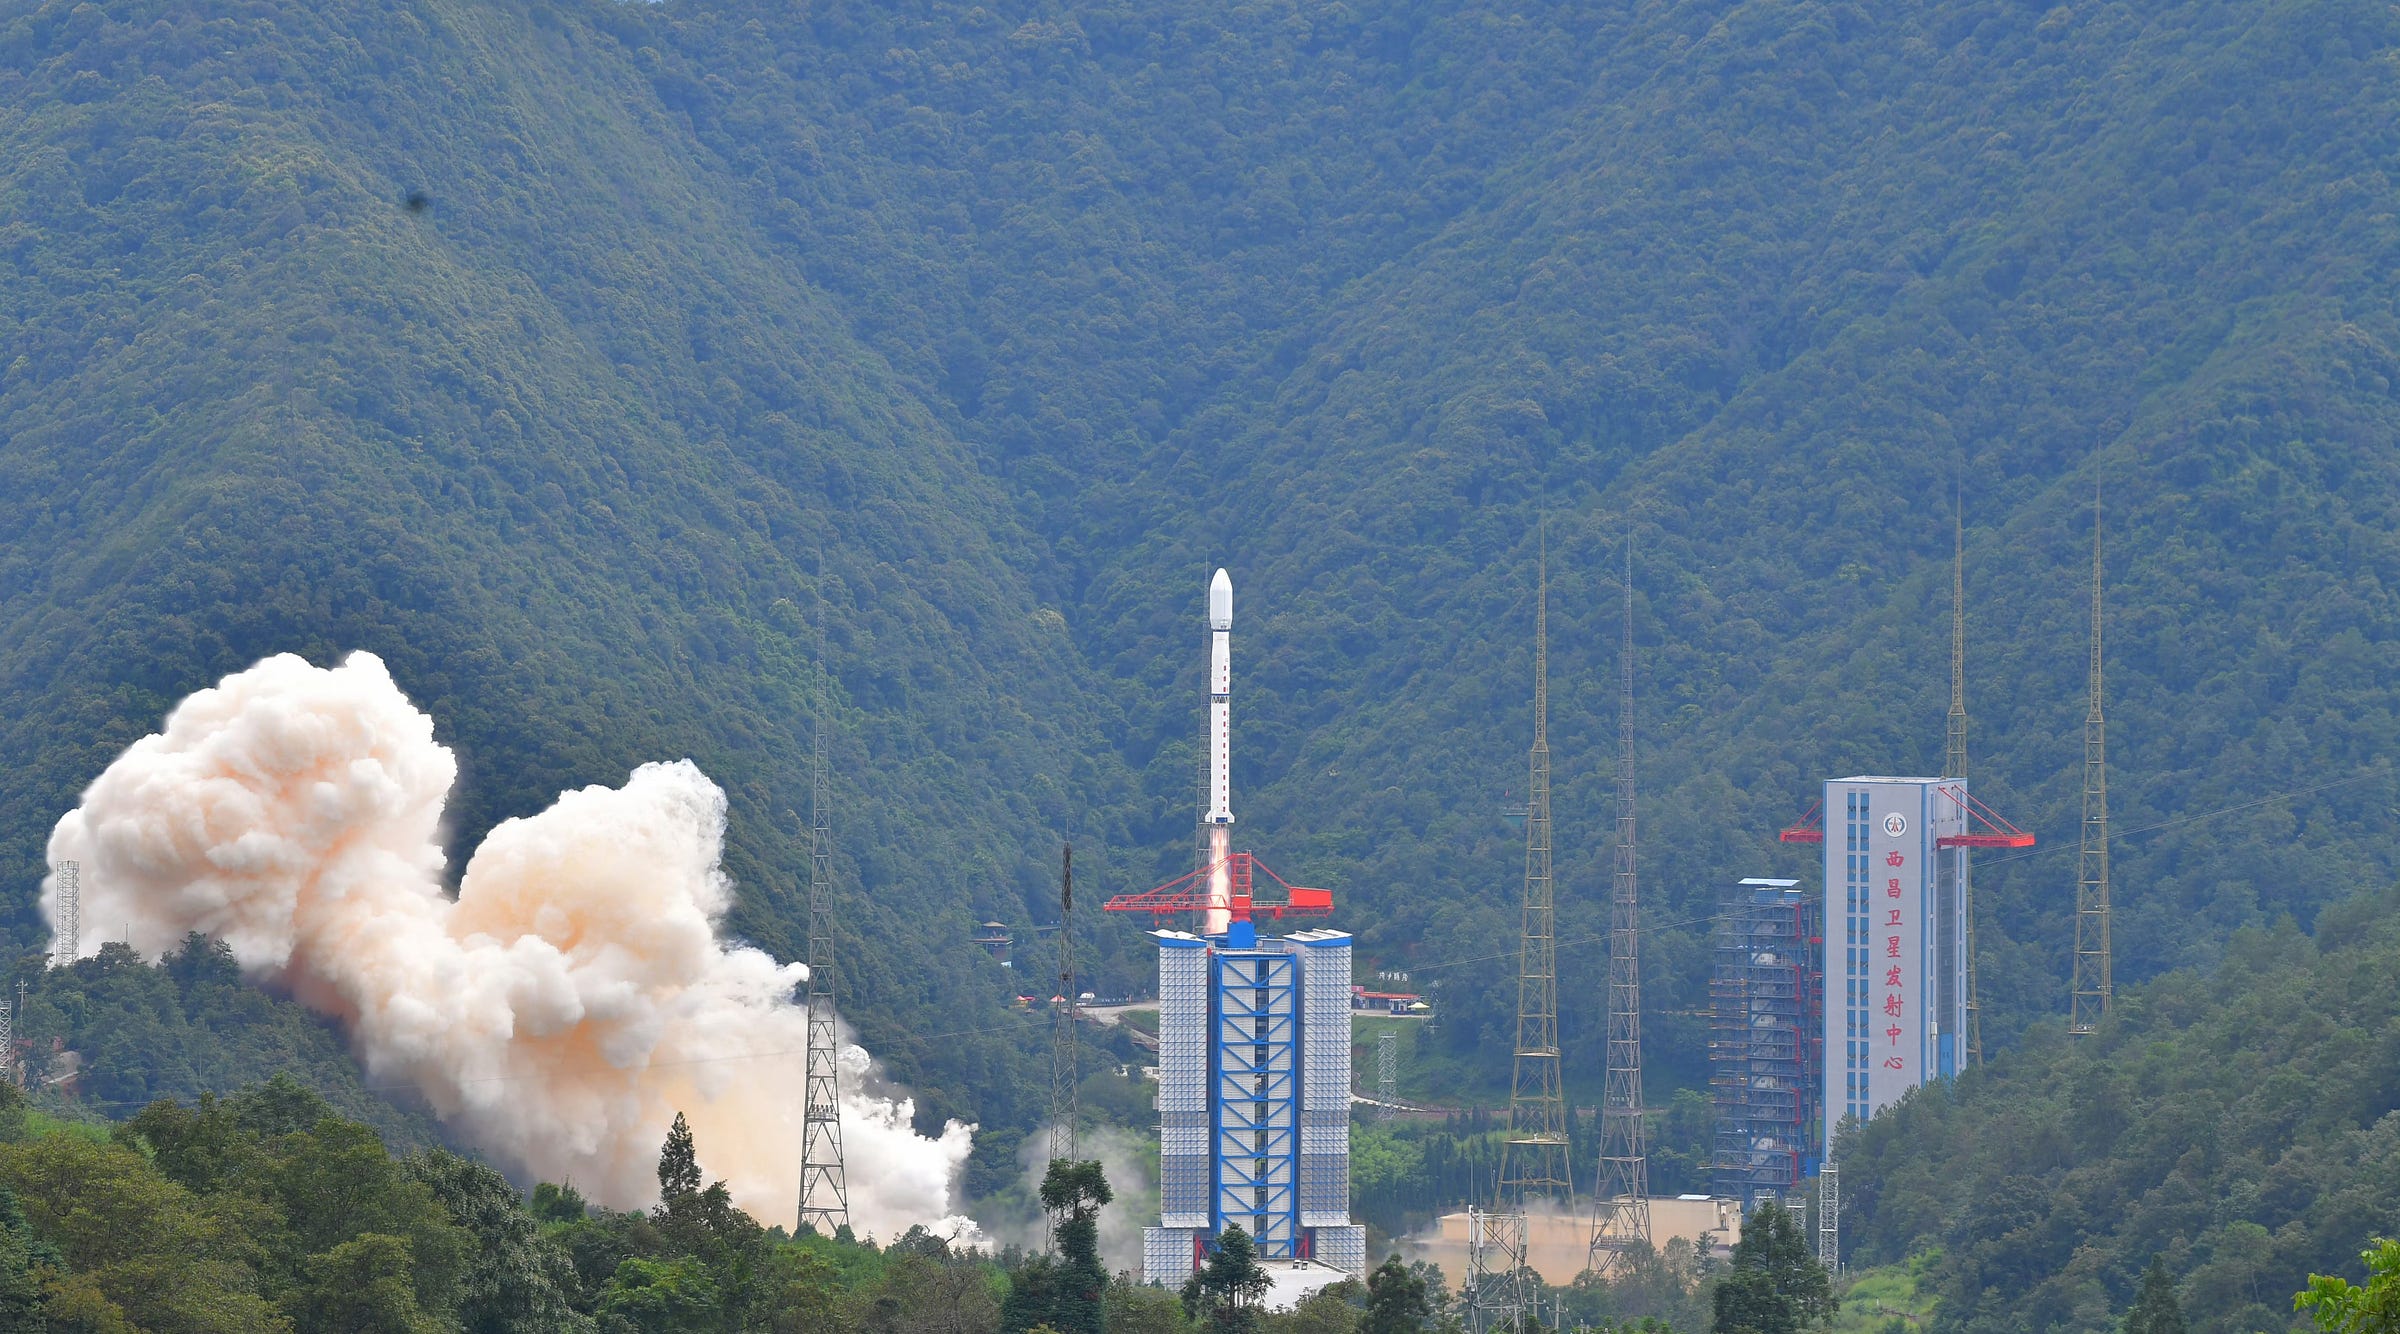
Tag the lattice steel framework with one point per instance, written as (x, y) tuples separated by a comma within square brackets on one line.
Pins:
[(1064, 1114), (1387, 1073), (1534, 1164), (1495, 1295), (70, 913), (1954, 756), (1766, 1045), (1621, 1205), (1829, 1216), (2094, 983), (824, 1190)]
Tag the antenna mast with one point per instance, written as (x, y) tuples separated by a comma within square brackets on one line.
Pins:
[(1534, 1158), (1621, 1210), (1954, 759), (1063, 1112), (824, 1191), (2094, 985), (1534, 1155)]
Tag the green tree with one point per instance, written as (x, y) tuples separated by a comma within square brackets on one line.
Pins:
[(1225, 1293), (678, 1164), (1139, 1308), (921, 1294), (1775, 1285), (2155, 1310), (801, 1293), (23, 1257), (335, 1182), (1033, 1295), (1396, 1300), (366, 1285), (517, 1281), (554, 1203), (143, 1243), (1066, 1292), (1332, 1309), (2340, 1307), (666, 1296)]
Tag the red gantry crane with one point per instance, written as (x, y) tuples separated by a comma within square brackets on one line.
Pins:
[(1190, 893)]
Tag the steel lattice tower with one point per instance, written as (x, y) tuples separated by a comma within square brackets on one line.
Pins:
[(1063, 1111), (1495, 1295), (824, 1191), (1387, 1073), (1534, 1162), (1829, 1217), (1621, 1206), (1954, 757), (2094, 985), (70, 914)]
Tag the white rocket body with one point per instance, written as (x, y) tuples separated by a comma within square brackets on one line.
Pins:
[(1220, 700)]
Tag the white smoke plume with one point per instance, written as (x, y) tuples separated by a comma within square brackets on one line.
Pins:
[(1133, 1188), (558, 1014)]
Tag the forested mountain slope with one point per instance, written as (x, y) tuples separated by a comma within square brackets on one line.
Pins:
[(2241, 1124), (982, 332)]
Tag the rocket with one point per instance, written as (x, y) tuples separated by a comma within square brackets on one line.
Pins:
[(1220, 701)]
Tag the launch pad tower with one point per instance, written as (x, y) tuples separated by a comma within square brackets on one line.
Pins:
[(1254, 1045)]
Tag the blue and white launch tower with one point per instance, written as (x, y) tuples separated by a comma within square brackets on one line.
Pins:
[(1254, 1045)]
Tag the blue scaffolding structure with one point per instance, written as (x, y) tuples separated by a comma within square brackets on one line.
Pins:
[(1766, 1048)]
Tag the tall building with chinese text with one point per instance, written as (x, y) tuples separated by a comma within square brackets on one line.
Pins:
[(1895, 854)]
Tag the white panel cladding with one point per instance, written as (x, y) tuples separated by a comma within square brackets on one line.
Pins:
[(1183, 1081), (1325, 1079), (1344, 1247), (1167, 1255)]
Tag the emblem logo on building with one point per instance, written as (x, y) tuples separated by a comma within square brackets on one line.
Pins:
[(1895, 824)]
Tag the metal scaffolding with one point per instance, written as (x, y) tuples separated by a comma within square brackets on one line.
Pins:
[(1766, 1049)]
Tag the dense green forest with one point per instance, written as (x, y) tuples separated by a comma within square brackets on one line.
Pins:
[(266, 1211), (646, 381), (2240, 1127)]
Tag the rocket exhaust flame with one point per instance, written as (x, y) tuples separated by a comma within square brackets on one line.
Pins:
[(559, 1012), (1220, 879)]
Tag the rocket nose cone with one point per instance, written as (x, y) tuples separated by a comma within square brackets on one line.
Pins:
[(1220, 602)]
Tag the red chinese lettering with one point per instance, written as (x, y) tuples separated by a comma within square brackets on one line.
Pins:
[(1892, 1063), (1891, 889), (1891, 977), (1893, 919), (1891, 1006), (1893, 1033), (1893, 859), (1891, 947)]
